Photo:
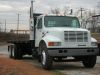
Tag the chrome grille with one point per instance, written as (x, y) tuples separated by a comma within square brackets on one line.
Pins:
[(75, 36)]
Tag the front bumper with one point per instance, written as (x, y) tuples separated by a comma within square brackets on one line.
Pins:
[(64, 52)]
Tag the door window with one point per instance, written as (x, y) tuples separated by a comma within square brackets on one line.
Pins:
[(39, 25)]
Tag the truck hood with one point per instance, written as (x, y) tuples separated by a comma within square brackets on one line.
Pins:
[(58, 34), (65, 29)]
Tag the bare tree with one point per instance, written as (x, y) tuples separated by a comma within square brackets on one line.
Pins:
[(55, 11), (66, 10), (85, 17), (98, 7), (90, 20)]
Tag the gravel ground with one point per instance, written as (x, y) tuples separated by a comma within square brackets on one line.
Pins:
[(78, 69), (21, 67), (67, 68), (73, 68), (17, 67)]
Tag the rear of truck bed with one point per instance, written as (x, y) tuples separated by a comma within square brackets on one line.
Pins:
[(17, 48)]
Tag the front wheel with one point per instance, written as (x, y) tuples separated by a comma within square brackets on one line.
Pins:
[(89, 61), (46, 60)]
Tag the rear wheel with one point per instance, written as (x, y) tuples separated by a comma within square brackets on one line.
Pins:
[(89, 61), (10, 51), (16, 53), (46, 60)]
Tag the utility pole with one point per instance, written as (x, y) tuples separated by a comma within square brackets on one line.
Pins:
[(0, 26), (5, 25), (18, 24), (81, 10)]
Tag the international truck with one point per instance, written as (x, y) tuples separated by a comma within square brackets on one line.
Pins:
[(54, 38)]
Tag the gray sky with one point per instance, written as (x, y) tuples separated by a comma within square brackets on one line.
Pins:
[(10, 8)]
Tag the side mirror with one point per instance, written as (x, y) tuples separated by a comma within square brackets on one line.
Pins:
[(31, 28)]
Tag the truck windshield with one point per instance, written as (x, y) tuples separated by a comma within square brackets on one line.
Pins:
[(61, 21)]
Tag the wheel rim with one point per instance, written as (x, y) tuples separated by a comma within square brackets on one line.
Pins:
[(43, 57)]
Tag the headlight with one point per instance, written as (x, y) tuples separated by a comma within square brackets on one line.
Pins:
[(94, 43), (54, 43)]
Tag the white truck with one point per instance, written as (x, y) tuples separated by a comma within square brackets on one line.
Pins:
[(55, 38)]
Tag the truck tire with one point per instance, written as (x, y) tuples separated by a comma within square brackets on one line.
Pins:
[(16, 53), (13, 51), (10, 51), (34, 54), (46, 60), (89, 61)]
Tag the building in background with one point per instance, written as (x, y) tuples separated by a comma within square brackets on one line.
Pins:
[(93, 23)]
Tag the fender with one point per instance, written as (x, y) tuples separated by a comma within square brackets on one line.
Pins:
[(93, 39), (50, 38)]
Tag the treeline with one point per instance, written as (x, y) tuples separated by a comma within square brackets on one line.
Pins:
[(5, 37)]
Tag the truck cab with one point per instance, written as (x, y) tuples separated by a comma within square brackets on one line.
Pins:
[(59, 37)]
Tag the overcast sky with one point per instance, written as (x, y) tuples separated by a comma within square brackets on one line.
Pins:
[(10, 8)]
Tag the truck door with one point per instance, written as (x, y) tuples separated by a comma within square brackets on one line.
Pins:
[(38, 32)]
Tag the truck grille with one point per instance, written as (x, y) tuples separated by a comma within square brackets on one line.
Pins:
[(75, 36)]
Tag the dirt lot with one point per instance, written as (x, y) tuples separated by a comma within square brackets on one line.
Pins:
[(28, 66), (18, 67)]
